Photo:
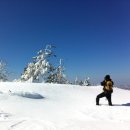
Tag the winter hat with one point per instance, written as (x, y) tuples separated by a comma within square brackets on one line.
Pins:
[(107, 77)]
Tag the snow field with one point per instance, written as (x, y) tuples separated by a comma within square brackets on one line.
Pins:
[(38, 106)]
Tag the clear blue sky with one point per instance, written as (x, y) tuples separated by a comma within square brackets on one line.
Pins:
[(92, 36)]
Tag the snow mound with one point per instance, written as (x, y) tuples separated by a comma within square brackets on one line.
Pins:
[(29, 95)]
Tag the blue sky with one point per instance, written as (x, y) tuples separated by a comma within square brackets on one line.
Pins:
[(93, 37)]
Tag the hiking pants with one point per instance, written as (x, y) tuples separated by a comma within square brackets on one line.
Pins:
[(104, 94)]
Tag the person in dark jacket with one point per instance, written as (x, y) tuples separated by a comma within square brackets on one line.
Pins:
[(107, 84)]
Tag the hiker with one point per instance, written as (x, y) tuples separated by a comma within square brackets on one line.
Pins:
[(107, 90)]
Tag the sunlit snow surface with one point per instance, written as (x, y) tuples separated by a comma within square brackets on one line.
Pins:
[(38, 106)]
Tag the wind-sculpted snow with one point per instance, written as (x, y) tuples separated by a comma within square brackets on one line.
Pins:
[(29, 95)]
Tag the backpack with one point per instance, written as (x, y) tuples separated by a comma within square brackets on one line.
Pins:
[(109, 85)]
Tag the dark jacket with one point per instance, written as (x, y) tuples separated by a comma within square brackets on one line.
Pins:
[(107, 85)]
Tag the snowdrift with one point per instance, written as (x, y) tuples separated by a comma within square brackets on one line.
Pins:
[(38, 106)]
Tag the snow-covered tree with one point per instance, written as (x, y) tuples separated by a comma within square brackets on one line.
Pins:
[(81, 83), (40, 68), (61, 77), (86, 82), (52, 75), (3, 71), (76, 82), (57, 75)]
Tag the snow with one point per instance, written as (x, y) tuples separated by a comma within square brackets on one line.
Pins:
[(39, 106)]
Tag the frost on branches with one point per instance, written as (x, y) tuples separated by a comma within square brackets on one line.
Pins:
[(3, 71), (58, 75), (40, 68), (86, 82)]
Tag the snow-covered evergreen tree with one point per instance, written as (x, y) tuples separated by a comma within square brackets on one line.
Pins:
[(61, 77), (40, 68), (52, 75), (76, 82), (3, 71), (57, 75), (86, 82), (81, 83)]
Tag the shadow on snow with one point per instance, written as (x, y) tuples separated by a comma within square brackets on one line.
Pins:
[(29, 95), (127, 104)]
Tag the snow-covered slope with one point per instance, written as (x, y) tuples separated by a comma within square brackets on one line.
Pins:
[(33, 106)]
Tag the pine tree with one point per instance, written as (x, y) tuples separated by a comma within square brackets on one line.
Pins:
[(76, 82), (61, 77), (52, 75), (3, 71), (57, 75), (87, 82), (81, 83), (40, 68)]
